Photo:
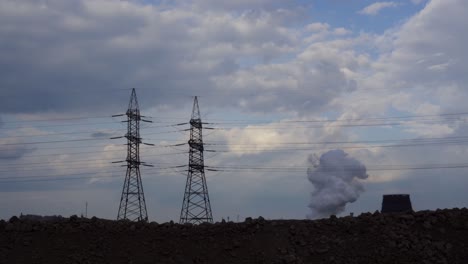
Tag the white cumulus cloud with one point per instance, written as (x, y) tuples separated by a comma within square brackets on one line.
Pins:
[(375, 8)]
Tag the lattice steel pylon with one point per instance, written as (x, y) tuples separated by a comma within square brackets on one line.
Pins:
[(132, 202), (196, 207)]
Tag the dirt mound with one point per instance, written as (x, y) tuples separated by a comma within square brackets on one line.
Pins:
[(422, 237)]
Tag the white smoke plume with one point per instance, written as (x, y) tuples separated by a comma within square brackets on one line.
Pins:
[(336, 179)]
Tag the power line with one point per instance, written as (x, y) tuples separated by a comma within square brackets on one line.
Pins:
[(332, 125), (98, 161), (422, 141), (88, 152), (411, 143), (105, 134), (53, 141), (79, 146), (58, 179), (342, 120), (58, 119), (62, 125), (86, 161), (341, 147), (60, 141), (249, 121), (331, 168), (56, 175), (83, 173), (21, 169), (410, 140), (84, 124), (240, 121), (62, 133), (213, 128), (220, 169), (167, 132)]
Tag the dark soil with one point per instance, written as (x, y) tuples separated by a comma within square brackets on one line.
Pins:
[(422, 237)]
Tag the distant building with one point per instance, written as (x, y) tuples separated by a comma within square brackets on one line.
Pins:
[(393, 203)]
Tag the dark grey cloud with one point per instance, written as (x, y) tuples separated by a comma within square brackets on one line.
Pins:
[(14, 152), (84, 55), (102, 135)]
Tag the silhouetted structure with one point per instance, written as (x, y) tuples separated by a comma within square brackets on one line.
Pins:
[(132, 202), (196, 206), (393, 203), (41, 218)]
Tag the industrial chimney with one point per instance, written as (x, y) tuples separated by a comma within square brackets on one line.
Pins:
[(393, 203)]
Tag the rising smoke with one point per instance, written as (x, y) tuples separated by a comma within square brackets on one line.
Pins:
[(335, 177)]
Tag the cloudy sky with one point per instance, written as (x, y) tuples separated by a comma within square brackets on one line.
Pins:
[(278, 81)]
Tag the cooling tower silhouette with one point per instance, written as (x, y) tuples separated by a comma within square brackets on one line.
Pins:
[(393, 203)]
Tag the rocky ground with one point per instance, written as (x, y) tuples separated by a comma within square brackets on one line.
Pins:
[(422, 237)]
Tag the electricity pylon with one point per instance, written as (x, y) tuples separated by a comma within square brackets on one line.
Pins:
[(196, 206), (132, 202)]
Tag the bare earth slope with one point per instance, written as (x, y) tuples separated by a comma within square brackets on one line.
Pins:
[(421, 237)]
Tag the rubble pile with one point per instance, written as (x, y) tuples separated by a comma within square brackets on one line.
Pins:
[(421, 237)]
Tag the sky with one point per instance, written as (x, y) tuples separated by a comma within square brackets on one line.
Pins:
[(278, 82)]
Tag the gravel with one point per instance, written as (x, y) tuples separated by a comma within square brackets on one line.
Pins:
[(421, 237)]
